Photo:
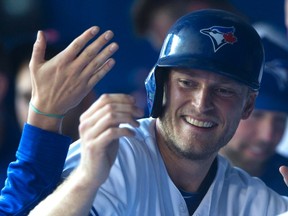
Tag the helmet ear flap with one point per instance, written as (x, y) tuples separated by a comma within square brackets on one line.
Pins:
[(154, 85)]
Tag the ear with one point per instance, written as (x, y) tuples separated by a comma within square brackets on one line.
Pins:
[(249, 105), (3, 86)]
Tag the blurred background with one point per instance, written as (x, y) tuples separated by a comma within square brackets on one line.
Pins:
[(66, 19)]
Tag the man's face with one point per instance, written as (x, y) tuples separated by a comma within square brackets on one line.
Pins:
[(201, 112), (257, 137)]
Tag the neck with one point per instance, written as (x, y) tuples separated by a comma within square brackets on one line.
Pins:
[(186, 174)]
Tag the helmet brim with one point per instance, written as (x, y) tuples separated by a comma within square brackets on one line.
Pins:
[(221, 68)]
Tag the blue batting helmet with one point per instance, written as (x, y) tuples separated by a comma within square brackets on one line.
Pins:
[(211, 40)]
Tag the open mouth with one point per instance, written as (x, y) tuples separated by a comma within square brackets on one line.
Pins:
[(197, 123)]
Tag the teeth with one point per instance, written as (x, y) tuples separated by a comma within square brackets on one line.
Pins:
[(199, 123)]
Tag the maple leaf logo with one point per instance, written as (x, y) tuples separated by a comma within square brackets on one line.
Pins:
[(220, 36), (229, 37)]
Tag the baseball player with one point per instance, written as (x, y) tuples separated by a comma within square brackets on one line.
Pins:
[(205, 81)]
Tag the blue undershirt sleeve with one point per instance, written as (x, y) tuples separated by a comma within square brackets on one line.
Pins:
[(36, 172)]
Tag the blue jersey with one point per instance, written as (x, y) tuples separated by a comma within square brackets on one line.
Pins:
[(36, 171)]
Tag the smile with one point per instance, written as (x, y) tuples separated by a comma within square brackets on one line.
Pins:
[(197, 123)]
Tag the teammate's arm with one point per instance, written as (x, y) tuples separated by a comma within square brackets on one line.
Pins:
[(99, 133), (58, 85)]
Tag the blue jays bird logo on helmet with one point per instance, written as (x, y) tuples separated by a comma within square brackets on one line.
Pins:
[(220, 36)]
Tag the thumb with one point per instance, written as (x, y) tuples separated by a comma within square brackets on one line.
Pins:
[(38, 53)]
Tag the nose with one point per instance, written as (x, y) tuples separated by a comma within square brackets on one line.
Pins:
[(202, 100)]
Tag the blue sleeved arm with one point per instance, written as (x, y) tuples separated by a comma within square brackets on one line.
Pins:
[(36, 172)]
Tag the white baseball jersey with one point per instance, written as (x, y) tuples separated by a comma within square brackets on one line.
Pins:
[(139, 184)]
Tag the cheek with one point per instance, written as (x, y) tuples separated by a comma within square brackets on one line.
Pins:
[(245, 133), (229, 107), (230, 116), (174, 100), (244, 130), (247, 129)]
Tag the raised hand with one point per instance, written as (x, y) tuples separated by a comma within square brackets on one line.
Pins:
[(61, 83), (99, 132)]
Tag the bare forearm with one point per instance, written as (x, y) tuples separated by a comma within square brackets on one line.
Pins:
[(73, 197)]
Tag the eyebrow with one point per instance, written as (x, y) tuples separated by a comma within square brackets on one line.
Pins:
[(221, 78)]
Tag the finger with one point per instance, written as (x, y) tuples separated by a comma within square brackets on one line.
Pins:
[(110, 116), (100, 73), (106, 138), (115, 108), (78, 44), (100, 65), (38, 53), (106, 99), (114, 113), (114, 120), (93, 49), (90, 132)]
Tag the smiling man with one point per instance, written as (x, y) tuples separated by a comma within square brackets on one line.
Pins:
[(198, 91)]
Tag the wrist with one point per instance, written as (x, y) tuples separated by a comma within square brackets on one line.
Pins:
[(85, 177), (44, 122), (51, 115)]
